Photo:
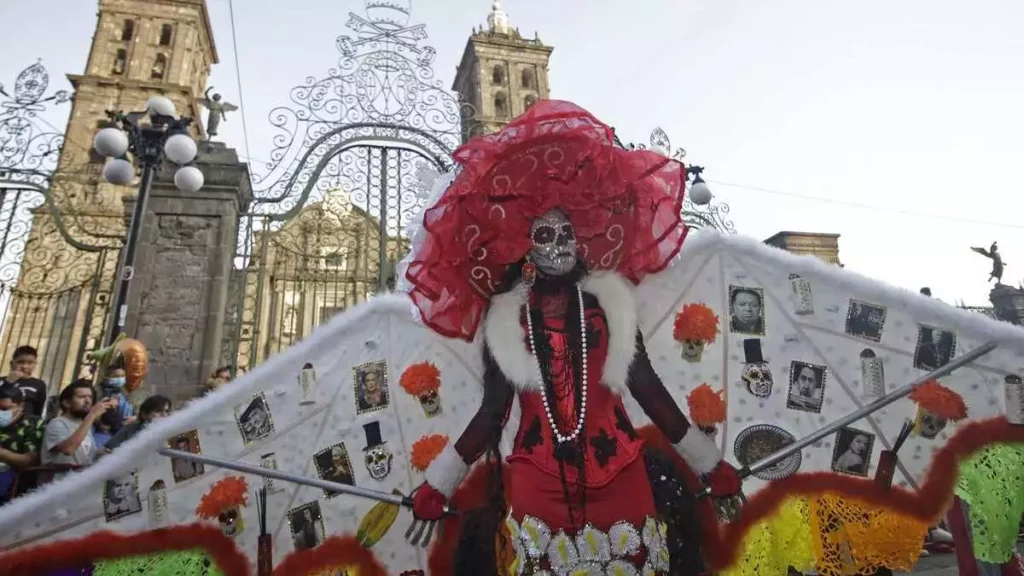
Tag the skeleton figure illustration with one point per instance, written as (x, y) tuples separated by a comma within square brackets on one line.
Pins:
[(548, 279)]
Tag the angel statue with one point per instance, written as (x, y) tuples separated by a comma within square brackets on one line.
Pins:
[(997, 261), (518, 248), (217, 109)]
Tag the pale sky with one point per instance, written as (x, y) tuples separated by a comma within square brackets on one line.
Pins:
[(898, 124)]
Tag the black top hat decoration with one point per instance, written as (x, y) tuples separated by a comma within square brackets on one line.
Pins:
[(376, 455)]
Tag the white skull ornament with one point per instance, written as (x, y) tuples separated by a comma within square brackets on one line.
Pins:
[(377, 455), (378, 461), (758, 378)]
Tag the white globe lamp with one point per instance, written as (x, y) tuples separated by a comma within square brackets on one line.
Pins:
[(189, 179), (119, 171), (700, 194), (180, 149), (160, 106), (111, 142)]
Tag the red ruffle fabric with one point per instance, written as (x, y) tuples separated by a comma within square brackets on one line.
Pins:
[(625, 206)]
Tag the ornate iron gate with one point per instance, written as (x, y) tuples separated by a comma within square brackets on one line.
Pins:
[(54, 286), (354, 158)]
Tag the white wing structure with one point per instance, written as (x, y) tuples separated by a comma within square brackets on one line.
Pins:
[(826, 324)]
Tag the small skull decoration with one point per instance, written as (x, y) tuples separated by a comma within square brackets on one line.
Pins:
[(431, 403), (692, 350), (377, 455), (929, 425), (231, 523), (756, 373), (758, 378)]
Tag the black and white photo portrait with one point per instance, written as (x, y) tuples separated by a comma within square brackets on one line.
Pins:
[(307, 526), (121, 496), (852, 454), (935, 348), (865, 320), (806, 386), (371, 386), (254, 421), (186, 469), (746, 310), (333, 465)]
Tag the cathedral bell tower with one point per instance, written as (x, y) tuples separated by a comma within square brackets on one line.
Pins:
[(140, 49), (501, 74)]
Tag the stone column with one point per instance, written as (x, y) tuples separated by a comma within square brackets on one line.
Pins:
[(178, 299)]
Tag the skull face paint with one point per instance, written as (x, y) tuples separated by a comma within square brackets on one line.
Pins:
[(378, 461), (554, 243)]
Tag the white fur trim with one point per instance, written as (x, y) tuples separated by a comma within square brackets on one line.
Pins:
[(504, 333), (446, 471), (699, 451)]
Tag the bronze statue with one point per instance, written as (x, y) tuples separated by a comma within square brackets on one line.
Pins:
[(218, 111), (997, 261)]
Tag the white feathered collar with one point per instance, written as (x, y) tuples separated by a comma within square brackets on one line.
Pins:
[(506, 338)]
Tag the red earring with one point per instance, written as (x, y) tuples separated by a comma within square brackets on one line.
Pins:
[(529, 273)]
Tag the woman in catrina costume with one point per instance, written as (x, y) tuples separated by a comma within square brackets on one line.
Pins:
[(540, 238)]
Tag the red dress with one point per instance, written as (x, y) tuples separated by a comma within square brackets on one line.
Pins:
[(608, 497)]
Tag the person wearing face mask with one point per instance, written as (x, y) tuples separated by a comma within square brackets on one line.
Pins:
[(113, 386), (21, 435)]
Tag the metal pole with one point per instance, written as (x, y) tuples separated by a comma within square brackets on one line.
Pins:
[(289, 477), (882, 402), (126, 270)]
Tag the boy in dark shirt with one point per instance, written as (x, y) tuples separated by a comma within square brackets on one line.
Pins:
[(23, 364)]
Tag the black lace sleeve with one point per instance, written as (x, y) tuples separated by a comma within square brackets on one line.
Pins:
[(650, 393), (485, 427)]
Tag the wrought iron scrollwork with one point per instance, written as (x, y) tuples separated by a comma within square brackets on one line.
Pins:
[(353, 155), (52, 289), (711, 215)]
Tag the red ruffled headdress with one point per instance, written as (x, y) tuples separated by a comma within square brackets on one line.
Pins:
[(625, 207)]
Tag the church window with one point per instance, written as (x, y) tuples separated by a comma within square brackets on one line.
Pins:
[(127, 30), (159, 67), (166, 32), (500, 106), (527, 79), (498, 75), (530, 100), (119, 62)]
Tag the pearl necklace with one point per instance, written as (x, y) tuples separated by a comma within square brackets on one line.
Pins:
[(540, 374)]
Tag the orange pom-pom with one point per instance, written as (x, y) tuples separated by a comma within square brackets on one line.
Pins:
[(426, 449), (695, 323), (231, 492), (420, 378), (939, 400), (707, 408)]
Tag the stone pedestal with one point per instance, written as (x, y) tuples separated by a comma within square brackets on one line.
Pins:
[(1008, 303), (178, 298)]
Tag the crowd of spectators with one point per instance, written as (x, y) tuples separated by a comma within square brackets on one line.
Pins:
[(39, 445)]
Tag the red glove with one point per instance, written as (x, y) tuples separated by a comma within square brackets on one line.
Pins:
[(428, 503), (723, 481)]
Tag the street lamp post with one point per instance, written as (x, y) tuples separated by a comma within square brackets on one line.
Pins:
[(163, 137)]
